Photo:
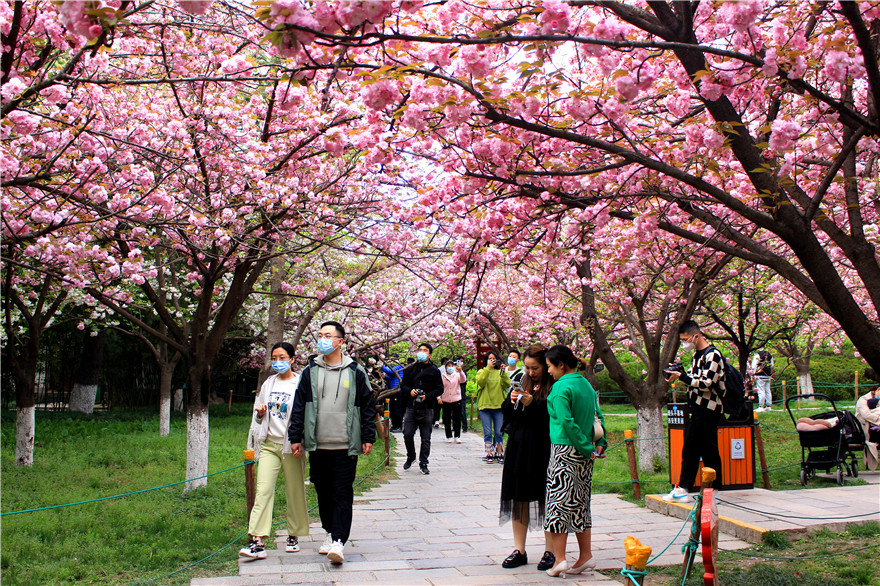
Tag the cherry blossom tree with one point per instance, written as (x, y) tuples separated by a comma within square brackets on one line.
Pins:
[(756, 124), (751, 310), (184, 164)]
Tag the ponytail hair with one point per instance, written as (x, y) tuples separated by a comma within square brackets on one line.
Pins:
[(562, 355)]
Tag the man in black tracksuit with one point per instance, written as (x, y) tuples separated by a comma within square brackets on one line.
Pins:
[(420, 388), (703, 379)]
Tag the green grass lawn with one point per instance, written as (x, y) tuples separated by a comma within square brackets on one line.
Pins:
[(808, 561), (135, 538)]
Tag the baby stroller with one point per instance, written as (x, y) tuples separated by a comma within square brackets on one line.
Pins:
[(829, 448)]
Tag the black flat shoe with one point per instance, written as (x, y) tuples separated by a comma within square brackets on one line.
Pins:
[(515, 560), (547, 562)]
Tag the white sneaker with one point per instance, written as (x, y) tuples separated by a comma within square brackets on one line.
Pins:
[(326, 545), (458, 440), (335, 554), (678, 495), (449, 440), (253, 550)]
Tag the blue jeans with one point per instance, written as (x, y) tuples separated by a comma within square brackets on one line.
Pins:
[(490, 418)]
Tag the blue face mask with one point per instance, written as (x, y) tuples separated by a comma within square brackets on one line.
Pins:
[(325, 346), (280, 366), (450, 370), (511, 361), (422, 356)]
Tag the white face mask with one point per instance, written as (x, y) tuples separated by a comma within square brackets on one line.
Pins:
[(687, 346)]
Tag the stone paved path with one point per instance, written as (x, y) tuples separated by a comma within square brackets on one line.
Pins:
[(443, 529)]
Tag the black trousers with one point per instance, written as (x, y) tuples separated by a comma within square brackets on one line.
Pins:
[(464, 411), (395, 410), (423, 421), (332, 474), (700, 441), (452, 418)]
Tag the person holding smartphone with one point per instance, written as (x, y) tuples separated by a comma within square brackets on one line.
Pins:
[(524, 478), (492, 385)]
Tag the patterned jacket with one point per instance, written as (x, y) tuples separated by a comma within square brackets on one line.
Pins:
[(704, 379)]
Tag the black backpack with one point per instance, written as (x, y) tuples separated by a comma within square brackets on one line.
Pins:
[(733, 393)]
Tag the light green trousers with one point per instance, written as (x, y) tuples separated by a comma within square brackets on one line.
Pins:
[(272, 461)]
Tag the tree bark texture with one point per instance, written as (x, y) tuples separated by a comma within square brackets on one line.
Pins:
[(197, 437), (25, 432), (276, 317), (85, 382), (649, 425), (165, 371)]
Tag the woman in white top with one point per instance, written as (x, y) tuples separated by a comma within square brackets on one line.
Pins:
[(268, 437)]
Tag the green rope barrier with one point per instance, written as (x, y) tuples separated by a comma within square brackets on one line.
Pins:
[(795, 516), (125, 494), (784, 466), (207, 557), (367, 475), (692, 516), (633, 574), (808, 557)]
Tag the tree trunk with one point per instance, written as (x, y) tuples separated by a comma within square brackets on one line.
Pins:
[(805, 379), (275, 325), (25, 430), (197, 424), (165, 371), (196, 446), (649, 420), (24, 367), (85, 382), (806, 382)]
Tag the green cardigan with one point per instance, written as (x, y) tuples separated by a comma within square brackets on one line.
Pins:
[(572, 406), (492, 385)]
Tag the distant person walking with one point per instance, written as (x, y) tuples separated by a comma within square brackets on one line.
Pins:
[(762, 366), (393, 375), (453, 377), (421, 387), (459, 361), (268, 434), (703, 379), (573, 407), (492, 385), (334, 420), (524, 478)]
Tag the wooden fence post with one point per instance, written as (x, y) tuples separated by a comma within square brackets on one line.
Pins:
[(783, 394), (387, 424), (249, 485), (762, 458), (633, 465), (857, 387), (230, 400)]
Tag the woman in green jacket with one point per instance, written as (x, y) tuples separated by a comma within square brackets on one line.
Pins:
[(573, 407), (492, 385)]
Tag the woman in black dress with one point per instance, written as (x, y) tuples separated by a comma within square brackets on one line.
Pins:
[(524, 477)]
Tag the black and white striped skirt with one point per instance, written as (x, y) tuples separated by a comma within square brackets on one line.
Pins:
[(569, 486)]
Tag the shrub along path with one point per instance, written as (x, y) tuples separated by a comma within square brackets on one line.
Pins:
[(443, 529)]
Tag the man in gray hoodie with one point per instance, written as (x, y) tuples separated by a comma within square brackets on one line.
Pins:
[(334, 420)]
